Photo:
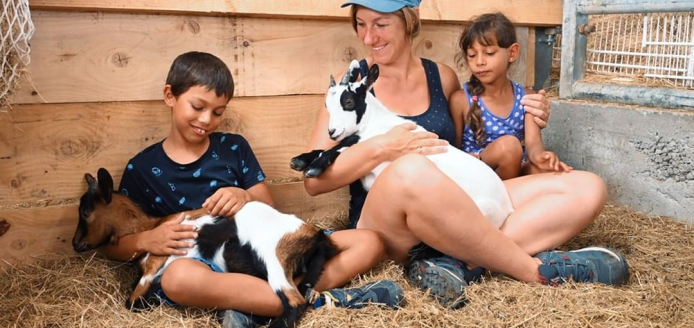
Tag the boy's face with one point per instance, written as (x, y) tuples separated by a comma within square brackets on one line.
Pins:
[(195, 113)]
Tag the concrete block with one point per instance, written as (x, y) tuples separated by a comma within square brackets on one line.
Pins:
[(646, 156)]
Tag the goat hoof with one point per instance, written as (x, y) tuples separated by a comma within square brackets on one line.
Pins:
[(138, 305), (298, 164), (313, 172)]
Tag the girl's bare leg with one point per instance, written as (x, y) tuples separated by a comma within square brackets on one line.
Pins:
[(504, 156)]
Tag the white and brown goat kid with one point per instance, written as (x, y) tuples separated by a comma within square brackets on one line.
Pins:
[(258, 240), (357, 115)]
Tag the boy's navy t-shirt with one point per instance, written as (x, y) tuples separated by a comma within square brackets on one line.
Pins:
[(162, 187)]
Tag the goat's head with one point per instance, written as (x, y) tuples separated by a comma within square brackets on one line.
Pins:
[(94, 231), (346, 101)]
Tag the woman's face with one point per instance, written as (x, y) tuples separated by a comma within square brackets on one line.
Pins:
[(384, 34)]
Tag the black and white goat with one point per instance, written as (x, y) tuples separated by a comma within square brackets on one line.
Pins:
[(357, 115), (258, 240)]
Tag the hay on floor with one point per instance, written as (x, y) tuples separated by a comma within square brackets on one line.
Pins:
[(71, 291)]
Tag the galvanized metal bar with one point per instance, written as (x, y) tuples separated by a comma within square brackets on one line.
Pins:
[(644, 54), (600, 64), (603, 7), (573, 54), (644, 96)]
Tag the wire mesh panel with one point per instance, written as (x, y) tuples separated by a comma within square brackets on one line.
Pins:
[(645, 47), (650, 49), (16, 28)]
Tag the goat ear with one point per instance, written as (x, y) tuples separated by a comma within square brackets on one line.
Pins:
[(354, 74), (371, 76), (91, 181), (332, 81), (351, 74), (105, 184)]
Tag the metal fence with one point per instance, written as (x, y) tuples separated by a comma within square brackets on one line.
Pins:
[(632, 51), (643, 48)]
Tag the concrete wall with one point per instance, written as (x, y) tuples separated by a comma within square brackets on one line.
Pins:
[(646, 157)]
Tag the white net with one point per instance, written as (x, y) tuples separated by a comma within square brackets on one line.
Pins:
[(16, 30)]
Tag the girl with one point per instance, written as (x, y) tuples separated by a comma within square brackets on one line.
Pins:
[(489, 108)]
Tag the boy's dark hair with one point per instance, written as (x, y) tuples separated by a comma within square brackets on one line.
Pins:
[(200, 68), (488, 29)]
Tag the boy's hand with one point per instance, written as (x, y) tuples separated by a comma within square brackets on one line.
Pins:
[(226, 201), (168, 238), (549, 161)]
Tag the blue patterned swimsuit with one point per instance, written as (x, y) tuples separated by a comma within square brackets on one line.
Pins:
[(495, 126)]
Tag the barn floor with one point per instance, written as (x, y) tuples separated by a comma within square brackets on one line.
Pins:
[(71, 291)]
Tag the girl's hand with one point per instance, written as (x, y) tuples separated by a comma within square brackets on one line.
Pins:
[(549, 161), (537, 105), (226, 201), (401, 140), (169, 238)]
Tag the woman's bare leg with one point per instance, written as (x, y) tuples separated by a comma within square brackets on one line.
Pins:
[(552, 208), (412, 202)]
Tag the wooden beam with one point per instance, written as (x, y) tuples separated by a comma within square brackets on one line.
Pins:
[(530, 61), (49, 230), (522, 12), (89, 57), (46, 149)]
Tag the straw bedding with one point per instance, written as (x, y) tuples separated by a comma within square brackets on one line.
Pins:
[(71, 291)]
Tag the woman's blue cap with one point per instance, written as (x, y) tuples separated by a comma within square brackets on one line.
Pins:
[(384, 6)]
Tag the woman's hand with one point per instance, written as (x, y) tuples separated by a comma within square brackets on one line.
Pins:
[(401, 140), (549, 161), (226, 201), (169, 238), (537, 105)]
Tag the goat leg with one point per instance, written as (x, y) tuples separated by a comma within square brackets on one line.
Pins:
[(294, 306), (299, 163), (328, 157), (150, 264)]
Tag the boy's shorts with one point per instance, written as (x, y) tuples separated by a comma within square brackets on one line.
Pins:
[(166, 300)]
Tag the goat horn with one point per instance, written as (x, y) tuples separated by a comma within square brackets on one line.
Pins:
[(332, 81)]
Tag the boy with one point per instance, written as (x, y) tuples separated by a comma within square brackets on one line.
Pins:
[(196, 167)]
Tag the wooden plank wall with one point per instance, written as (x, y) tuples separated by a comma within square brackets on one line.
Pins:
[(92, 96)]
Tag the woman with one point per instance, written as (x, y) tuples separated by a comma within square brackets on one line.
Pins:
[(413, 203)]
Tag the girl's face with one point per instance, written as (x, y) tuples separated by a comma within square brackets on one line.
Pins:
[(195, 113), (491, 62), (383, 33)]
